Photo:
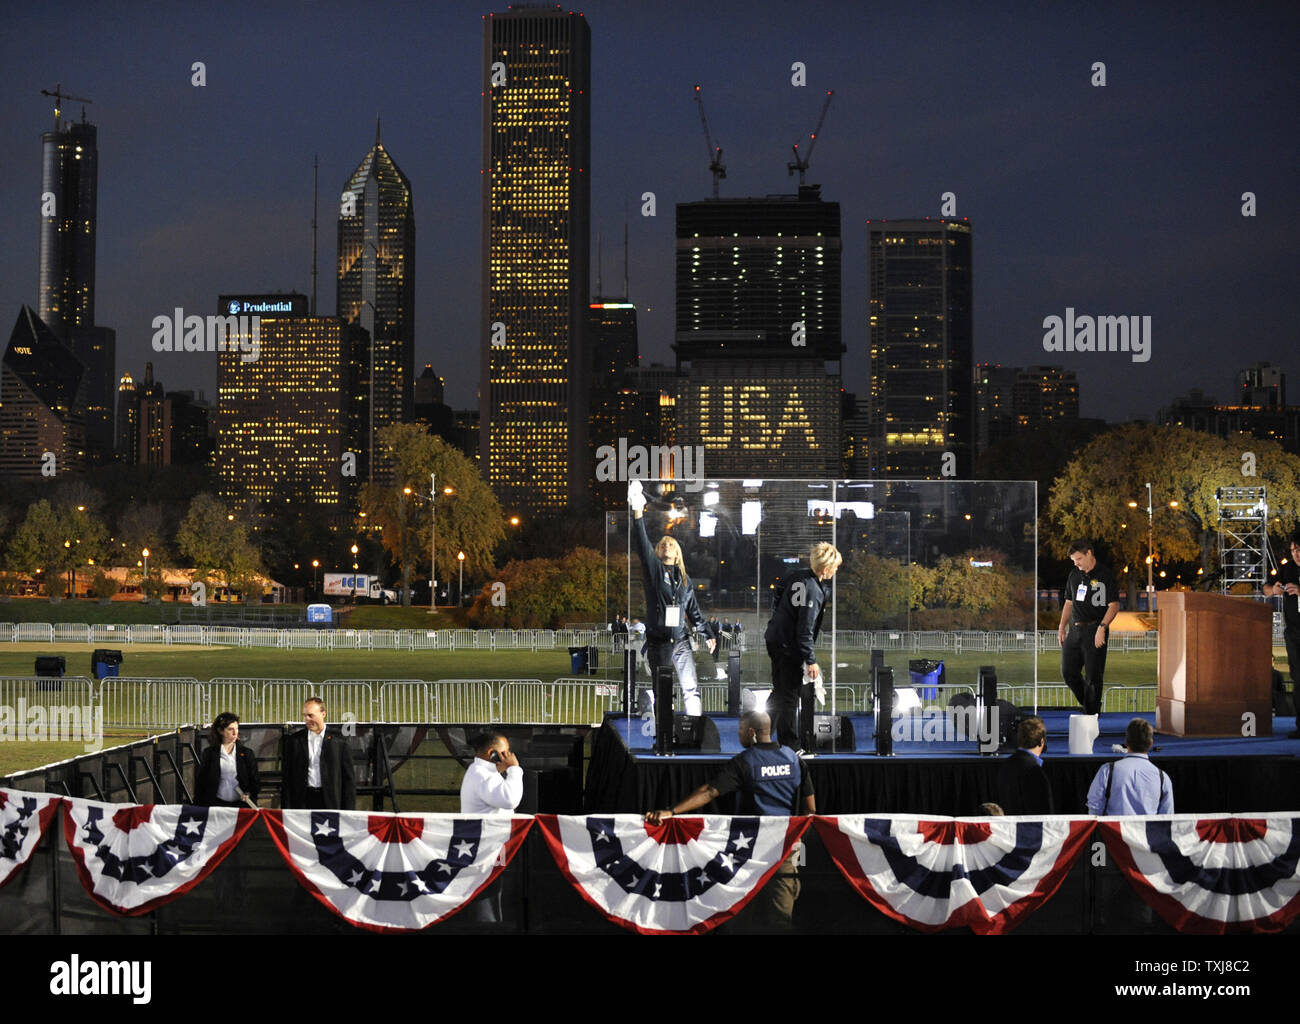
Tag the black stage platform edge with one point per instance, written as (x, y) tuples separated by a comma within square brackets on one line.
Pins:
[(865, 784)]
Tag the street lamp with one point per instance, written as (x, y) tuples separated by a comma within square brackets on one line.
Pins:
[(1151, 544), (354, 559), (145, 578), (315, 564), (460, 587)]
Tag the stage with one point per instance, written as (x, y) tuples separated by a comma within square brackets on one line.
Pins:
[(1240, 774)]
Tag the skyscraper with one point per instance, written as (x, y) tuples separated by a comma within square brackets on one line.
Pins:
[(286, 420), (42, 395), (758, 325), (66, 281), (536, 256), (69, 171), (376, 285), (920, 331)]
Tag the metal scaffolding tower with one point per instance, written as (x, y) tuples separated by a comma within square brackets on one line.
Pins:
[(1243, 536)]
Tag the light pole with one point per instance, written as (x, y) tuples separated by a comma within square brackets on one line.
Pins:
[(315, 564), (145, 578), (1151, 545), (433, 543), (460, 587)]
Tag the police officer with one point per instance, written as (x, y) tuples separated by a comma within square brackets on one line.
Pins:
[(1091, 602), (772, 780)]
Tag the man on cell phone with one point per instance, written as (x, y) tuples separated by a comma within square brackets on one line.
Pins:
[(494, 782)]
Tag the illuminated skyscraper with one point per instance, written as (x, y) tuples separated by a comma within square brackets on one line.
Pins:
[(536, 254), (284, 419), (376, 284), (920, 331), (42, 395), (758, 322)]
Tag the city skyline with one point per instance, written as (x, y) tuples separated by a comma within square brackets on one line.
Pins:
[(1115, 200)]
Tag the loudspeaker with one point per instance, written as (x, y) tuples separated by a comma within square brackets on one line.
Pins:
[(733, 682), (988, 695), (882, 685), (833, 734), (629, 681), (664, 709), (695, 734)]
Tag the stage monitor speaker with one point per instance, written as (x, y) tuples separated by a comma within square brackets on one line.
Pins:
[(833, 734), (882, 685), (695, 734), (629, 681), (664, 709), (877, 658), (987, 689)]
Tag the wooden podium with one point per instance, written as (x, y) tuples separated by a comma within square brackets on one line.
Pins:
[(1215, 664)]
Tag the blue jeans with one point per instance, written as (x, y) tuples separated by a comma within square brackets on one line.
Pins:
[(682, 659)]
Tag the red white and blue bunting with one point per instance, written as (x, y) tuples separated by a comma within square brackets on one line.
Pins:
[(388, 872), (688, 875), (24, 817), (937, 873), (1211, 874), (134, 857)]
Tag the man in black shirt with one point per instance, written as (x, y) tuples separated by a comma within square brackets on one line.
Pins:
[(1287, 588), (1091, 602), (772, 780)]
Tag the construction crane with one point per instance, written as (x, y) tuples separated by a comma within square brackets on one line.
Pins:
[(801, 163), (59, 96), (716, 166)]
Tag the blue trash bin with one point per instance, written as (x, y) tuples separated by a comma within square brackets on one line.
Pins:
[(578, 660), (925, 677)]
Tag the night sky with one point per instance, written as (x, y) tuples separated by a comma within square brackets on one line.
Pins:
[(1123, 200)]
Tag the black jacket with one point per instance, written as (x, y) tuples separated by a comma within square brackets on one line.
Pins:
[(208, 776), (665, 587), (1023, 787), (337, 778), (797, 609)]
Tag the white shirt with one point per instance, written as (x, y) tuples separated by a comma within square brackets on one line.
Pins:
[(226, 787), (486, 791), (314, 741)]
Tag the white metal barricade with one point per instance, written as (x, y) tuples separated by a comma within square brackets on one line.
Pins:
[(405, 700)]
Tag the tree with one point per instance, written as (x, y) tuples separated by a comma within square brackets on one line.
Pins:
[(217, 543), (468, 519), (143, 525), (545, 593), (1090, 498), (58, 539), (877, 593)]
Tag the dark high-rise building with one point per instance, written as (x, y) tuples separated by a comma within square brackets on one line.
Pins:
[(286, 420), (69, 169), (154, 433), (376, 284), (921, 337), (97, 348), (431, 409), (759, 278), (1009, 399), (536, 256), (128, 419), (612, 330), (191, 437), (1262, 385), (42, 395)]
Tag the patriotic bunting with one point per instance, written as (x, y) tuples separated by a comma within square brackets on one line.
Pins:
[(687, 875), (386, 872), (942, 873), (1213, 874), (134, 857), (24, 817)]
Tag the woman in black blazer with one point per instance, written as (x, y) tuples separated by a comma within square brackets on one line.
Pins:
[(225, 765)]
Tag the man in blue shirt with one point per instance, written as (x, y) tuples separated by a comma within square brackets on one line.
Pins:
[(1132, 785), (773, 781)]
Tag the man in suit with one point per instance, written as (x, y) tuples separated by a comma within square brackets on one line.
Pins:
[(1023, 787), (317, 767)]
